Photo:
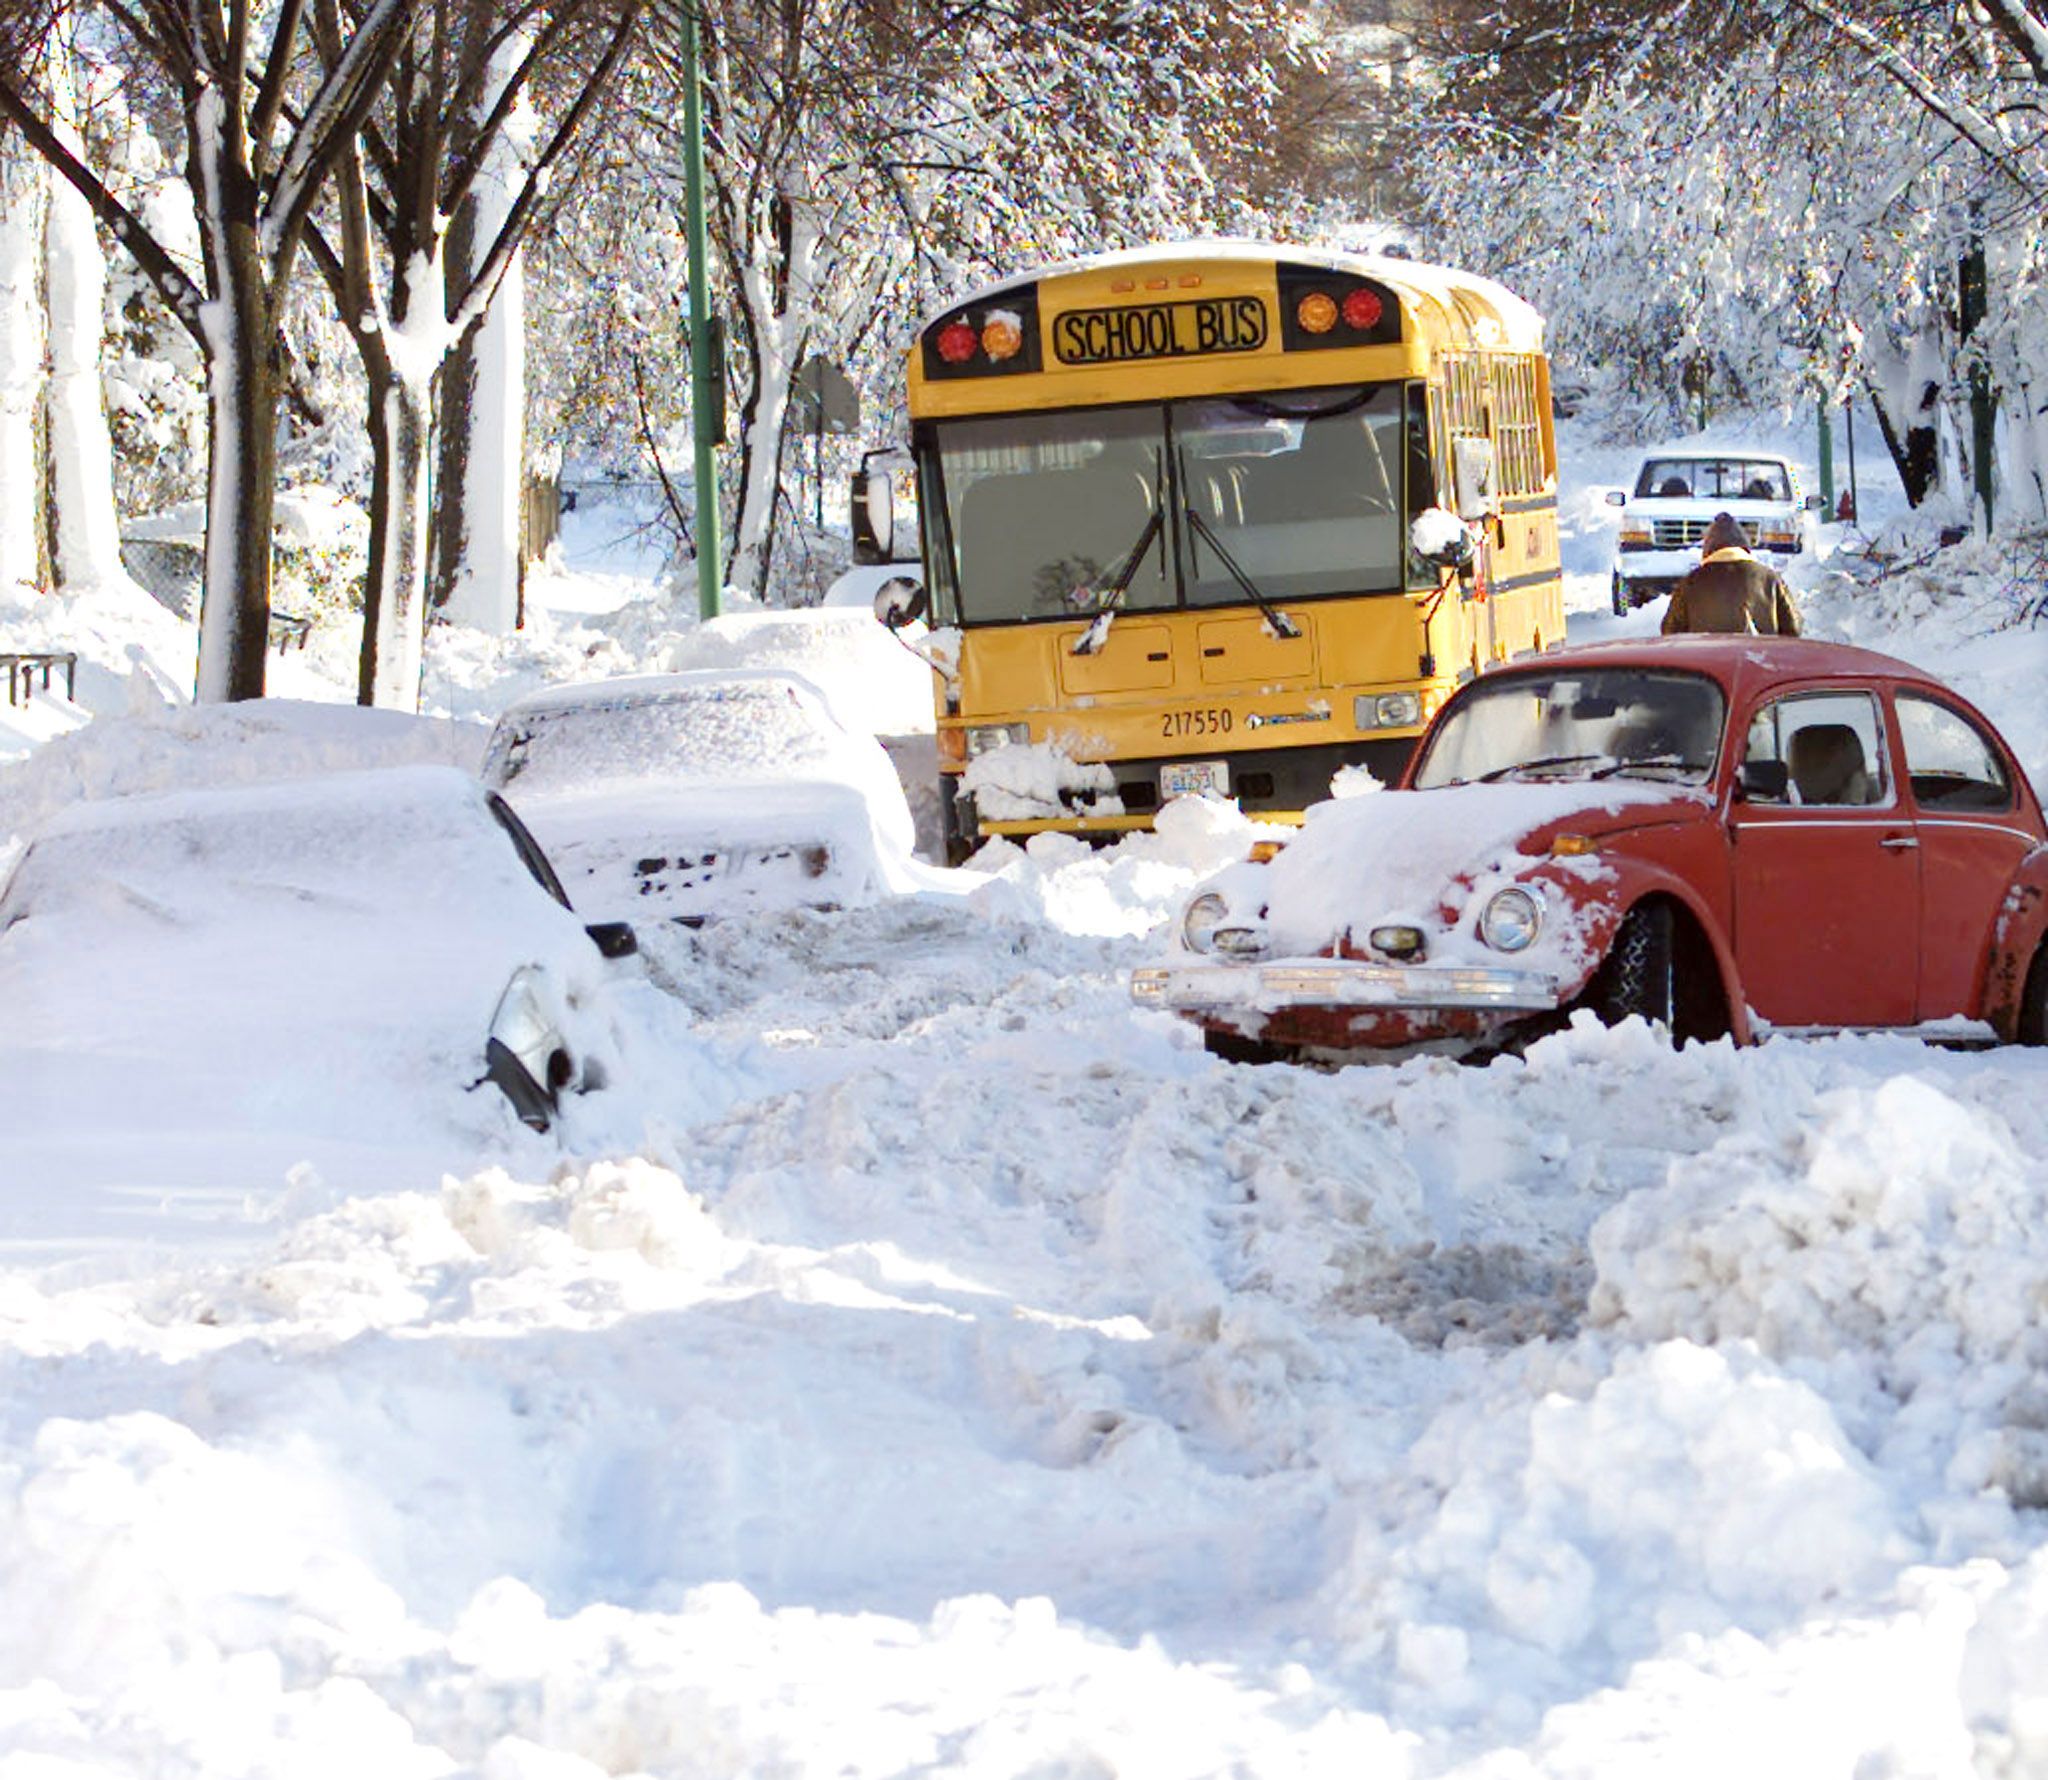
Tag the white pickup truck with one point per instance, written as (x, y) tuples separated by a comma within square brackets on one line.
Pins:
[(1677, 493)]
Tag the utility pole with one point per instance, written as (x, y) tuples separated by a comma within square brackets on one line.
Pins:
[(706, 427), (1827, 459)]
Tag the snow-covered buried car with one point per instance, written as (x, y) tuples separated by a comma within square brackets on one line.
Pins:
[(703, 794), (1676, 495), (212, 986), (1722, 834)]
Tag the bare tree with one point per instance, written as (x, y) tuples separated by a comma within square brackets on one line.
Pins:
[(255, 164), (424, 143)]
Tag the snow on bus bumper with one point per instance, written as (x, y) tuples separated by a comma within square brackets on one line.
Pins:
[(1341, 983)]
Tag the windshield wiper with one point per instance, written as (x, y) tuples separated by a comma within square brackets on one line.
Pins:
[(1657, 762), (1092, 639), (1277, 621), (1537, 765)]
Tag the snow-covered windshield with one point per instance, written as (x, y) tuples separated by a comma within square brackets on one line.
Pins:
[(1299, 492), (1713, 479), (1596, 723), (728, 730)]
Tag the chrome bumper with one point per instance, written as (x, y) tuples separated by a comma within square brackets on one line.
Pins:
[(1340, 982)]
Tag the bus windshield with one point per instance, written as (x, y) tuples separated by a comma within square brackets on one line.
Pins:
[(1297, 492)]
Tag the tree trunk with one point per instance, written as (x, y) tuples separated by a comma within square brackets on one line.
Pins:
[(478, 523), (21, 368), (394, 595), (241, 410), (767, 410), (85, 529)]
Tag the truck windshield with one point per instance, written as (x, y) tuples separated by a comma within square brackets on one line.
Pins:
[(1713, 479), (1299, 492)]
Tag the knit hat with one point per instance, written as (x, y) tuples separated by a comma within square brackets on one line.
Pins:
[(1725, 533)]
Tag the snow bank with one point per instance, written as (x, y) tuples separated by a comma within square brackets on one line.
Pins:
[(873, 680), (159, 747), (1900, 1232)]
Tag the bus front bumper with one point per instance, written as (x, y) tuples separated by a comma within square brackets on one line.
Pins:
[(1341, 983)]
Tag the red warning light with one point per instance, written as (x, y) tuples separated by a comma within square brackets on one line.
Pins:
[(1362, 309)]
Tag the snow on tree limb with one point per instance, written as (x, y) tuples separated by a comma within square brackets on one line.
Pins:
[(180, 295)]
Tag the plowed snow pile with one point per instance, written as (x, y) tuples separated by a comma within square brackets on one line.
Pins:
[(924, 1363)]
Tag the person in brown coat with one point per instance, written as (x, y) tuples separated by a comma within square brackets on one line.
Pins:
[(1731, 590)]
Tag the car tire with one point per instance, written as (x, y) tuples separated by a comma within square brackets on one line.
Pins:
[(1235, 1047), (2033, 1021), (1640, 972)]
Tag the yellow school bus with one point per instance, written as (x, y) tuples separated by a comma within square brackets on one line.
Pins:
[(1169, 502)]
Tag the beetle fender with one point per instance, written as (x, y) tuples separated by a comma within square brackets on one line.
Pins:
[(2016, 937), (1638, 883)]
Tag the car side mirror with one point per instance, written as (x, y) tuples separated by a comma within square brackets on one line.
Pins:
[(900, 601), (1814, 504), (614, 939), (1763, 781), (525, 1053), (1617, 497)]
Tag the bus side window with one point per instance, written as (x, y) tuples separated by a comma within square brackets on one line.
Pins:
[(1421, 471)]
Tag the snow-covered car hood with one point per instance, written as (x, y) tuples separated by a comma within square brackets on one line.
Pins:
[(651, 847), (310, 969), (1418, 857)]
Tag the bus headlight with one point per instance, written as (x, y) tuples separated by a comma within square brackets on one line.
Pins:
[(1387, 710), (1511, 920), (981, 739)]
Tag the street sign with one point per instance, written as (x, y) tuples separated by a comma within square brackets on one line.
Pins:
[(824, 398)]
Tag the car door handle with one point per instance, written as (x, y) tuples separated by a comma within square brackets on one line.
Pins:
[(1899, 843)]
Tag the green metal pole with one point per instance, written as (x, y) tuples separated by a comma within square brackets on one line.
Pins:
[(704, 427), (1827, 461)]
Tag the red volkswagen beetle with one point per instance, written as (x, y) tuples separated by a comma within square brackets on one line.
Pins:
[(1723, 834)]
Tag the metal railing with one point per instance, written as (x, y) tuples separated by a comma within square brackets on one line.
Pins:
[(22, 667)]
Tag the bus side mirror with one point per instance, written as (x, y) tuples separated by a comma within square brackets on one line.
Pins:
[(1814, 504), (1472, 462), (900, 601), (874, 516), (1440, 539)]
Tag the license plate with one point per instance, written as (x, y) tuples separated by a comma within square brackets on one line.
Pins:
[(1191, 778)]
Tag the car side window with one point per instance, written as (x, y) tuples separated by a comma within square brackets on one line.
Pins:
[(1949, 760), (1830, 746)]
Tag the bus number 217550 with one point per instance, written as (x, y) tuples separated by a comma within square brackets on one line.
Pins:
[(1175, 724)]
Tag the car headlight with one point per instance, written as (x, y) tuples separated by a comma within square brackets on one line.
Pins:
[(1511, 920), (1387, 710), (982, 738), (1199, 922)]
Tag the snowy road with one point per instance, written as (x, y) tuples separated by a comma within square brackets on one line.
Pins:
[(928, 1364), (975, 1377)]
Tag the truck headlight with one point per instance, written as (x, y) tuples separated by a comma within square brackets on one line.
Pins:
[(984, 737), (1511, 920), (1387, 710)]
